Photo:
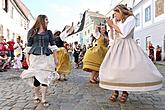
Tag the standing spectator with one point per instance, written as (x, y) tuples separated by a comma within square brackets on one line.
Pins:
[(76, 53), (158, 53), (84, 49), (151, 51), (11, 48), (81, 56), (70, 50)]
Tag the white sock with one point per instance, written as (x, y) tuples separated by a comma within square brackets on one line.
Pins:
[(43, 91), (36, 92)]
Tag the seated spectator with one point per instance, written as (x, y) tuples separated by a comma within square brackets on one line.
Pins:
[(3, 54), (2, 61)]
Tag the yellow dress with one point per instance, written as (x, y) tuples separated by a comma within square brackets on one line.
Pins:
[(94, 56), (63, 66)]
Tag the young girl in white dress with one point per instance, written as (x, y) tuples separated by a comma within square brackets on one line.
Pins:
[(126, 67), (41, 58), (18, 54)]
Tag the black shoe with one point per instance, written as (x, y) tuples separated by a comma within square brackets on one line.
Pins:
[(59, 79), (65, 79), (1, 70), (4, 70)]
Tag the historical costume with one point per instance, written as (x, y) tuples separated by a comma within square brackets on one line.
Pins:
[(126, 67), (63, 66), (151, 52), (40, 58), (158, 53), (95, 55), (76, 53)]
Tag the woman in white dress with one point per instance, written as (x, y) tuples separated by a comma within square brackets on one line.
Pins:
[(126, 67), (40, 58)]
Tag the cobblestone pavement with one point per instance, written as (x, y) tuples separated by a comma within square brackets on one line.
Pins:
[(75, 94)]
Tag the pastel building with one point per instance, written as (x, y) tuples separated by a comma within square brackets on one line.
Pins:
[(150, 23), (15, 19), (86, 27)]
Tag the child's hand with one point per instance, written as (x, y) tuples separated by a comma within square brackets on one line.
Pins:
[(97, 29)]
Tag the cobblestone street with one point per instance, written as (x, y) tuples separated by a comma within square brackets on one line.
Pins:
[(75, 94)]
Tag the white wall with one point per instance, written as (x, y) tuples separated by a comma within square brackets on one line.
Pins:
[(13, 24), (153, 28)]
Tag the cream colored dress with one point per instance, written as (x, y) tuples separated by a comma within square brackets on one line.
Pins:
[(126, 67), (41, 67)]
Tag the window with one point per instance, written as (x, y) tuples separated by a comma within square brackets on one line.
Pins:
[(13, 35), (5, 5), (21, 22), (87, 23), (138, 41), (8, 34), (88, 31), (25, 25), (11, 13), (148, 13), (137, 19), (1, 29)]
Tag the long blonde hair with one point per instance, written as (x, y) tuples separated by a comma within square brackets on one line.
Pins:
[(124, 11)]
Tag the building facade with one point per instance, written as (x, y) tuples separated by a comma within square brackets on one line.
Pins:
[(86, 27), (150, 22), (15, 19), (113, 3)]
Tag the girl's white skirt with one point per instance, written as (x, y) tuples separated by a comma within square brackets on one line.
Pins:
[(41, 67)]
